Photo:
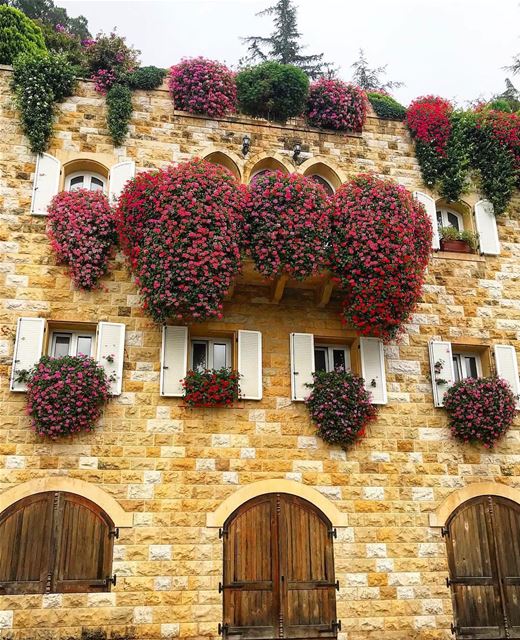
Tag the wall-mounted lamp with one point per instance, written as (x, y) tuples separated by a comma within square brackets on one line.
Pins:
[(297, 149), (246, 144)]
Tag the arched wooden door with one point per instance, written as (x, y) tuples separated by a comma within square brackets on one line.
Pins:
[(279, 570), (483, 538)]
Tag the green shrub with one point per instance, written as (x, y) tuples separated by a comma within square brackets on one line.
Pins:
[(119, 106), (39, 81), (146, 78), (272, 90), (386, 107), (18, 34), (63, 42)]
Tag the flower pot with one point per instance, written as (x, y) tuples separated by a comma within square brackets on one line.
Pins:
[(458, 246)]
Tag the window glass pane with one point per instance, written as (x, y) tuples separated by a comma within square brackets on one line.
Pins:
[(338, 356), (439, 219), (76, 183), (453, 221), (61, 345), (219, 355), (456, 368), (320, 359), (96, 184), (84, 345), (471, 367), (200, 356)]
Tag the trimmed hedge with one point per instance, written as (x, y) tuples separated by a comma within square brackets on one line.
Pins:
[(386, 107), (146, 78)]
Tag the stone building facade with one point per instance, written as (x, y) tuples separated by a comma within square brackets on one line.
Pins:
[(168, 476)]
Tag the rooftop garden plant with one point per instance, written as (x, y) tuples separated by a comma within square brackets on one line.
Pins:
[(198, 85), (272, 90), (109, 59), (385, 106), (146, 78), (18, 34), (334, 104)]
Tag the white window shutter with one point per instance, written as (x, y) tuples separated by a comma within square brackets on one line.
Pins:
[(120, 173), (250, 364), (440, 352), (373, 368), (302, 364), (28, 348), (174, 360), (487, 228), (111, 344), (507, 367), (46, 183), (429, 204)]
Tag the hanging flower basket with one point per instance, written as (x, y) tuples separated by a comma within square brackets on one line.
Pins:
[(82, 231), (340, 407), (211, 388), (480, 410), (381, 243), (66, 395), (180, 228), (287, 225)]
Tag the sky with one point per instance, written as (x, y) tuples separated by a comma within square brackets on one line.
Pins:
[(453, 48)]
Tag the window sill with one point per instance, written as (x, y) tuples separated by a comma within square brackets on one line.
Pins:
[(452, 255)]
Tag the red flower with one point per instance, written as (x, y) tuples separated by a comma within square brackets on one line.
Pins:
[(428, 119)]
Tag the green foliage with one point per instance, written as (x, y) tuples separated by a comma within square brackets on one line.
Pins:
[(455, 166), (146, 78), (370, 79), (451, 233), (18, 34), (386, 107), (39, 81), (110, 52), (284, 43), (47, 12), (61, 42), (119, 107), (272, 90)]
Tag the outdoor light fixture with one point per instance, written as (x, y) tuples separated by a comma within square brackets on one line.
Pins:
[(246, 144), (296, 152)]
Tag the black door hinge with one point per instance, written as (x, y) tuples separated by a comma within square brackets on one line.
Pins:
[(454, 628), (335, 625), (115, 533), (333, 533), (220, 587), (445, 532), (337, 585), (448, 583), (222, 629), (222, 532), (111, 580)]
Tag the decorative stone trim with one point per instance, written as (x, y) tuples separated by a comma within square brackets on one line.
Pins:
[(263, 161), (340, 175), (230, 504), (440, 516), (110, 506), (233, 158)]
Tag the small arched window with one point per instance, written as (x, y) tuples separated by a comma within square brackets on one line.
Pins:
[(483, 539), (450, 218), (279, 570), (85, 180), (55, 542), (329, 189)]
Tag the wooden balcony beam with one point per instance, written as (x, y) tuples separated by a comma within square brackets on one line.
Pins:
[(324, 292), (278, 287)]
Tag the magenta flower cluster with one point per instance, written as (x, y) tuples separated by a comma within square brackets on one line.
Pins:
[(480, 410), (287, 225), (66, 395), (180, 227), (104, 79), (198, 85), (81, 228), (334, 104), (340, 407)]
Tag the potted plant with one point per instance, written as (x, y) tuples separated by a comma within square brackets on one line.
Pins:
[(211, 388), (452, 239)]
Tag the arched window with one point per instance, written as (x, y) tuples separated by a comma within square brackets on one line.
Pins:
[(264, 165), (483, 538), (279, 570), (450, 218), (223, 160), (85, 180), (55, 542), (329, 189)]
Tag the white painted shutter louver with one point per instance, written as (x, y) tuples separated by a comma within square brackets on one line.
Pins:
[(486, 224), (46, 183), (429, 204), (174, 360), (302, 364), (119, 175), (440, 352), (507, 367), (250, 364), (111, 344), (28, 348), (373, 368)]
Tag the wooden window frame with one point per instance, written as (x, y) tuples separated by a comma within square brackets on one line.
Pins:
[(459, 365), (210, 343), (73, 344), (330, 348)]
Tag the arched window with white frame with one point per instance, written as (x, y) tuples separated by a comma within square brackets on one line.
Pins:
[(85, 180), (450, 218)]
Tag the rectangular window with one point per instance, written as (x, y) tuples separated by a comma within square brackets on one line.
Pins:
[(210, 353), (466, 365), (329, 357), (71, 343)]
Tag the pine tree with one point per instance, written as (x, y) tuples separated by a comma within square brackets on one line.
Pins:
[(370, 79), (283, 45)]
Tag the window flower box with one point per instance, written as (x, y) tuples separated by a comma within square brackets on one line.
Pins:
[(211, 388)]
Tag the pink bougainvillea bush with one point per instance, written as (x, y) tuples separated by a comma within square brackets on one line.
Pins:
[(81, 227), (480, 410), (66, 395), (198, 85), (287, 225), (340, 407), (381, 242), (334, 104), (180, 228)]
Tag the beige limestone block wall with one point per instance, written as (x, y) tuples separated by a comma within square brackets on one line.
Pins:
[(169, 467)]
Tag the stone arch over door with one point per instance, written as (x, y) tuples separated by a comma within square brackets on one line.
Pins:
[(262, 162), (225, 158)]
